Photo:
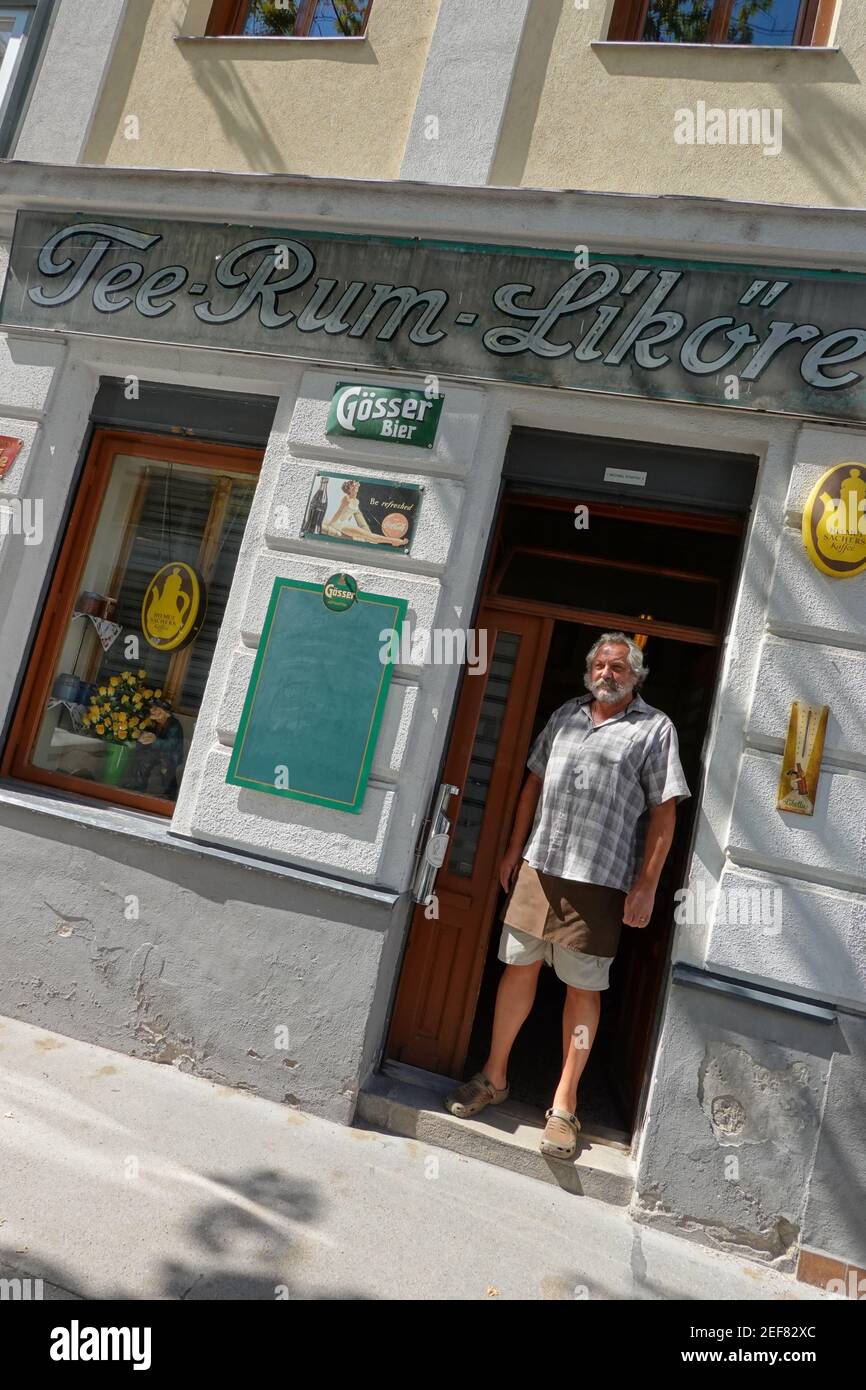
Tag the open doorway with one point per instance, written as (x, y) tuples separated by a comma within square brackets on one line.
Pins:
[(681, 684), (664, 576)]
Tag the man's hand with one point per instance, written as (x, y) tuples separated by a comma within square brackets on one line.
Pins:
[(639, 906), (147, 738), (507, 867)]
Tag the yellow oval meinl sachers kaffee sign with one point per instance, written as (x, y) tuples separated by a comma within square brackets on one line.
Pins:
[(834, 521), (174, 606)]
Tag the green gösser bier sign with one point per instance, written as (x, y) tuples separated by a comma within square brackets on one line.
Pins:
[(394, 414)]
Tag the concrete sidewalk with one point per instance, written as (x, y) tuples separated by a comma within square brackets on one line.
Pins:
[(126, 1179)]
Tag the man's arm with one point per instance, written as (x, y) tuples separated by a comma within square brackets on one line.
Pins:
[(660, 832), (523, 818)]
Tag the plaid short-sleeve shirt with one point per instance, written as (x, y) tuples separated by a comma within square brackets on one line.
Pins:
[(599, 785)]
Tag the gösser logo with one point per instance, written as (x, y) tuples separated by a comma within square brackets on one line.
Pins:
[(340, 592), (834, 521), (400, 415)]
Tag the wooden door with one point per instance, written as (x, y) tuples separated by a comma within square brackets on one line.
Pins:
[(445, 955)]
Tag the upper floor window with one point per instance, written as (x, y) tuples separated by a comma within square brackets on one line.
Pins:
[(310, 19), (784, 23), (14, 20)]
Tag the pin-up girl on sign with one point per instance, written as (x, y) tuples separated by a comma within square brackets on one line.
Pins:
[(349, 522)]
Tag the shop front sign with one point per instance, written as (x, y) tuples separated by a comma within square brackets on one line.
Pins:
[(397, 416), (834, 521), (739, 336)]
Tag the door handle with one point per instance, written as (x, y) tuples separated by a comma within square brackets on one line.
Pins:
[(435, 845)]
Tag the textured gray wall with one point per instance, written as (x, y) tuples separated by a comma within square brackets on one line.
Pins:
[(70, 82), (464, 91), (217, 959), (729, 1149), (835, 1219)]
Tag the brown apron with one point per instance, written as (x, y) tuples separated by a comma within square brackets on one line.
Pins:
[(583, 917)]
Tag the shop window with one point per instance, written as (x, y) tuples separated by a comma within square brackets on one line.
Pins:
[(114, 689), (298, 19), (752, 22)]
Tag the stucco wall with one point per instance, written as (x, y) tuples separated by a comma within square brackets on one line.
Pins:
[(75, 65), (603, 117), (465, 91), (234, 974), (113, 934), (442, 572), (295, 105), (742, 1092), (728, 1149), (556, 108)]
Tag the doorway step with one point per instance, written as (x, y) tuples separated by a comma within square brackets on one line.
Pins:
[(406, 1100)]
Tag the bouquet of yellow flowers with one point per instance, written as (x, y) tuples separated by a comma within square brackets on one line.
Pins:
[(117, 711)]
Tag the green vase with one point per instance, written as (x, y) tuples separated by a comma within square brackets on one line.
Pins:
[(116, 758)]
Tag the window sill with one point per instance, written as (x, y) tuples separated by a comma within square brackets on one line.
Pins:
[(714, 47), (96, 815), (270, 38)]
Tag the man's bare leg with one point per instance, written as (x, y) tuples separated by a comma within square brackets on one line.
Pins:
[(580, 1016), (514, 999)]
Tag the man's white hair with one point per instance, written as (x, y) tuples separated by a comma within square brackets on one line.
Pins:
[(635, 655)]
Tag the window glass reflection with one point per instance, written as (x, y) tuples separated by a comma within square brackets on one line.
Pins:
[(139, 642)]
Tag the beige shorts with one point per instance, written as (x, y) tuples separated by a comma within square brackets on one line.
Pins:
[(574, 968)]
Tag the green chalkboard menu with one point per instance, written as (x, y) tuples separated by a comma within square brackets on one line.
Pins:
[(316, 696)]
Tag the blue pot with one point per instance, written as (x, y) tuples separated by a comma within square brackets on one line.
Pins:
[(66, 687)]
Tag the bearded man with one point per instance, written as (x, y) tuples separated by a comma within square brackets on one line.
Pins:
[(592, 830)]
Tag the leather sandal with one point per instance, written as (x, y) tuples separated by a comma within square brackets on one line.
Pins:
[(559, 1139), (474, 1095)]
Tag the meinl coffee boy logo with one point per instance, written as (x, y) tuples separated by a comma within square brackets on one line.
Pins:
[(790, 341)]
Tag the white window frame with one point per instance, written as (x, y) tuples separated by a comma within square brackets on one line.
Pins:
[(20, 16)]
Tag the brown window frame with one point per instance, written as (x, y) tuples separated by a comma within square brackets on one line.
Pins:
[(57, 611), (814, 23), (228, 17)]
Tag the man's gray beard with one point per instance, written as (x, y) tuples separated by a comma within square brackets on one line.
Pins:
[(604, 695)]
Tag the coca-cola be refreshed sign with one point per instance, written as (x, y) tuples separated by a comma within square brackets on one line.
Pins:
[(739, 336)]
